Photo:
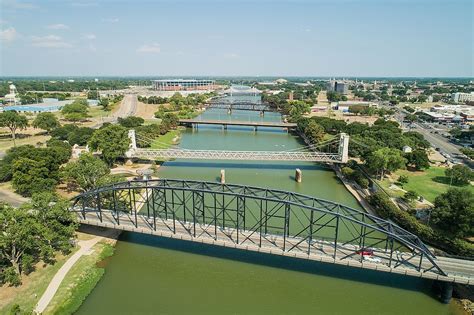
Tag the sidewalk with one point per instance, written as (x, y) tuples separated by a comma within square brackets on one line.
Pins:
[(59, 276)]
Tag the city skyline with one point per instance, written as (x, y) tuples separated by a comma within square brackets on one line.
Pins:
[(360, 38)]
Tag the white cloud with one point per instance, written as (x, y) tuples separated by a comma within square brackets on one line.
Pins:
[(153, 48), (17, 5), (49, 41), (89, 36), (8, 34), (110, 20), (57, 27)]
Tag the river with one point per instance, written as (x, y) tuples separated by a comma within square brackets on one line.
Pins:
[(151, 275)]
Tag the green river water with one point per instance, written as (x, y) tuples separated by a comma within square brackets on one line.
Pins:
[(151, 275)]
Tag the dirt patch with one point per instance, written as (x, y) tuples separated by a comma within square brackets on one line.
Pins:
[(147, 111)]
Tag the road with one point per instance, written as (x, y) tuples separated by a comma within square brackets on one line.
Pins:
[(128, 107), (436, 140)]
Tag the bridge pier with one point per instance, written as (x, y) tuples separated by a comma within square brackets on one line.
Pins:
[(255, 128), (262, 113), (224, 127), (222, 176), (298, 175), (229, 111), (445, 291)]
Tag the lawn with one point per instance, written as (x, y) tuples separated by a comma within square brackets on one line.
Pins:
[(33, 286), (429, 183), (79, 281), (165, 141)]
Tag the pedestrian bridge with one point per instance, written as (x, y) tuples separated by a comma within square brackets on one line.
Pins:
[(264, 220), (307, 155), (241, 105)]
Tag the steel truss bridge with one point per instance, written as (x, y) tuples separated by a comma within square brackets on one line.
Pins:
[(341, 156), (263, 220), (275, 124), (241, 105)]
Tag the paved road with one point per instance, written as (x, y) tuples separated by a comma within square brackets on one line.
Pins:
[(128, 107)]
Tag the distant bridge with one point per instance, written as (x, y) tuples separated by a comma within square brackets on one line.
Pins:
[(225, 123), (341, 156), (265, 220), (241, 105)]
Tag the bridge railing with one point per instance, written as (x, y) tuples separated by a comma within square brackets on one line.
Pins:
[(262, 217)]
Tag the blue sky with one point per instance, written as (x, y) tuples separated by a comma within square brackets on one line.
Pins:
[(212, 37)]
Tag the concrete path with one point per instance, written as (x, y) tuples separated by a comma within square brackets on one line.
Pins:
[(59, 276), (12, 198)]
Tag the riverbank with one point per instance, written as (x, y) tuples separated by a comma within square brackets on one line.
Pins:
[(74, 287)]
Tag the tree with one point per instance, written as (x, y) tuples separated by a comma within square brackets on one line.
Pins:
[(419, 159), (86, 172), (30, 176), (46, 121), (13, 121), (403, 179), (170, 120), (314, 132), (104, 102), (76, 111), (131, 121), (385, 159), (410, 196), (460, 174), (454, 212), (411, 118), (112, 141), (34, 232)]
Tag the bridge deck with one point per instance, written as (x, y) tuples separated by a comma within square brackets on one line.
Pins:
[(321, 251), (237, 123)]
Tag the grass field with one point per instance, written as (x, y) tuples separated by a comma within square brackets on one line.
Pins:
[(429, 183), (165, 141)]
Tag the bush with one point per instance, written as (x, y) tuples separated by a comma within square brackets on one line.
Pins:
[(403, 179), (347, 172)]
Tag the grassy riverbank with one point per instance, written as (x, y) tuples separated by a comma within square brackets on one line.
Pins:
[(80, 281), (167, 140)]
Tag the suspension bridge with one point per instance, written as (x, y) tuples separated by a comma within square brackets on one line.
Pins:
[(306, 154), (268, 221), (225, 123)]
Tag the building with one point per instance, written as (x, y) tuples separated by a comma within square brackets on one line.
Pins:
[(463, 97), (183, 85), (338, 86)]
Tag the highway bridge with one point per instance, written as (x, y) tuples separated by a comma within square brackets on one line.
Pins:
[(225, 123), (268, 221)]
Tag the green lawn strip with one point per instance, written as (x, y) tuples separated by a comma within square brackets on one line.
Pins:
[(79, 281), (165, 141), (29, 293)]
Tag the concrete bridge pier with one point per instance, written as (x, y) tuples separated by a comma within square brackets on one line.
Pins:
[(262, 113), (229, 111), (255, 128), (446, 291), (224, 127), (298, 175), (222, 176)]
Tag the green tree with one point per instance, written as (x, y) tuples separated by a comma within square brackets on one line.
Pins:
[(410, 196), (46, 121), (418, 159), (30, 176), (86, 172), (460, 174), (314, 132), (112, 141), (104, 102), (131, 121), (454, 212), (13, 121), (385, 159), (76, 111), (35, 232)]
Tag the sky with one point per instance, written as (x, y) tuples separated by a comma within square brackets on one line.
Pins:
[(404, 38)]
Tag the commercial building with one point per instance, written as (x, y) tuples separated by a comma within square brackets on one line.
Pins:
[(183, 85), (338, 86), (463, 97)]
